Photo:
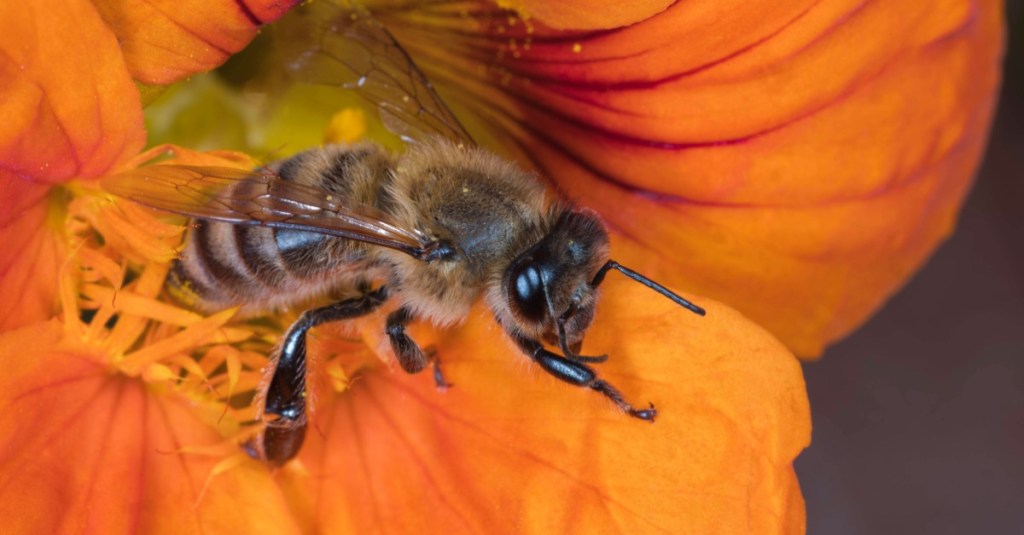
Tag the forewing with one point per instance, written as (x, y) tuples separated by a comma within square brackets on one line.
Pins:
[(345, 46), (258, 198)]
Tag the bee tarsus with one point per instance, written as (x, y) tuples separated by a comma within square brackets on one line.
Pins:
[(410, 356), (439, 381), (571, 351), (278, 443)]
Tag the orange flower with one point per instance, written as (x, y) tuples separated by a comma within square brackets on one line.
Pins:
[(797, 160)]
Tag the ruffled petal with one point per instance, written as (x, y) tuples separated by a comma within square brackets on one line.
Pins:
[(68, 106), (164, 42), (796, 160), (510, 449), (86, 450)]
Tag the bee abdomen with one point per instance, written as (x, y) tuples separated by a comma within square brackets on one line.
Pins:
[(226, 264), (217, 268)]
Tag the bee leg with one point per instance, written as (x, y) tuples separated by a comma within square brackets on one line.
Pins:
[(410, 356), (285, 402), (572, 351), (579, 374), (439, 379)]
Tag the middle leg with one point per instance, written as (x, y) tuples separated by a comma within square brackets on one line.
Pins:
[(411, 357)]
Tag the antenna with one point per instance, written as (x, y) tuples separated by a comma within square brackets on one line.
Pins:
[(611, 264)]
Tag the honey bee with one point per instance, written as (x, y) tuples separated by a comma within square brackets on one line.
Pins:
[(433, 229)]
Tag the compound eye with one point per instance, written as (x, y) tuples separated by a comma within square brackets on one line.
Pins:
[(526, 289)]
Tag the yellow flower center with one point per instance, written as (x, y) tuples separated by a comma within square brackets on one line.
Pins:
[(114, 301)]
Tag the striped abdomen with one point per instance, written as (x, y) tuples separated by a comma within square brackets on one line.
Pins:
[(227, 264), (224, 264)]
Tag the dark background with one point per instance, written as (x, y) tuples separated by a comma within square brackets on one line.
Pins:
[(919, 415)]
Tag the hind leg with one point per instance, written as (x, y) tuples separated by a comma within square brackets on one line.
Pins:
[(284, 409)]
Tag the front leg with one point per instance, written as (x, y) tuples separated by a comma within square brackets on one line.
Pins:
[(579, 374), (284, 411), (410, 356)]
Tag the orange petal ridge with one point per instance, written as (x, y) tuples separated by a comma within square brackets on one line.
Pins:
[(510, 449)]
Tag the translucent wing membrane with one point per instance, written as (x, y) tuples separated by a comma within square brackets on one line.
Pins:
[(345, 46), (259, 198)]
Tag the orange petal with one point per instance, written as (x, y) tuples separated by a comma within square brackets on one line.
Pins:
[(89, 451), (797, 160), (164, 41), (510, 448), (30, 258), (68, 105), (586, 14)]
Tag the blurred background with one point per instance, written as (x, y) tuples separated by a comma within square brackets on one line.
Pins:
[(919, 416)]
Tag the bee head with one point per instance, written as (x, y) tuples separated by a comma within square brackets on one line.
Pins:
[(548, 287)]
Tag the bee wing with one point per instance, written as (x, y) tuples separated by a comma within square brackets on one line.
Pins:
[(345, 46), (258, 197)]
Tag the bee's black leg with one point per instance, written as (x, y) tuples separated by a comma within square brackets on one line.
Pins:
[(410, 356), (579, 374), (284, 409)]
